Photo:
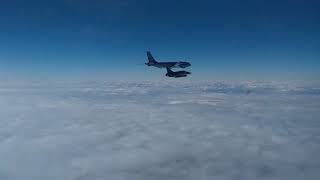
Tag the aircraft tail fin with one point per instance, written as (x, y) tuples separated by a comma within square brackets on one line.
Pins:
[(150, 58), (169, 70)]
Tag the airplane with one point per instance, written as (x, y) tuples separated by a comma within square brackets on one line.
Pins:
[(153, 62), (176, 74)]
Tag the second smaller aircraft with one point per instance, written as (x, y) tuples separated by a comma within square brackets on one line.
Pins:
[(176, 74)]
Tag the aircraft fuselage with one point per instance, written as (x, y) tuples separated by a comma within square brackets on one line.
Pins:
[(179, 64)]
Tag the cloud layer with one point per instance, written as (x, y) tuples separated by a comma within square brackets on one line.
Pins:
[(152, 130)]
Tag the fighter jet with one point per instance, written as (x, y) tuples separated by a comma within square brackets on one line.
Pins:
[(176, 74), (153, 62)]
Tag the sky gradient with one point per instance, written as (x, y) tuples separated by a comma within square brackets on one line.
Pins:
[(107, 40)]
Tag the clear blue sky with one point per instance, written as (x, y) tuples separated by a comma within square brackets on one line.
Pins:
[(96, 39)]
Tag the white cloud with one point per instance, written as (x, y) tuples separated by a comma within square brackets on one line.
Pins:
[(158, 130)]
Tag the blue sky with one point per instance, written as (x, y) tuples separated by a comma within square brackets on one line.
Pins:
[(107, 40)]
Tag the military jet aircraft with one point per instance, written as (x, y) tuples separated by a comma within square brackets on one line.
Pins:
[(176, 74), (153, 62)]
